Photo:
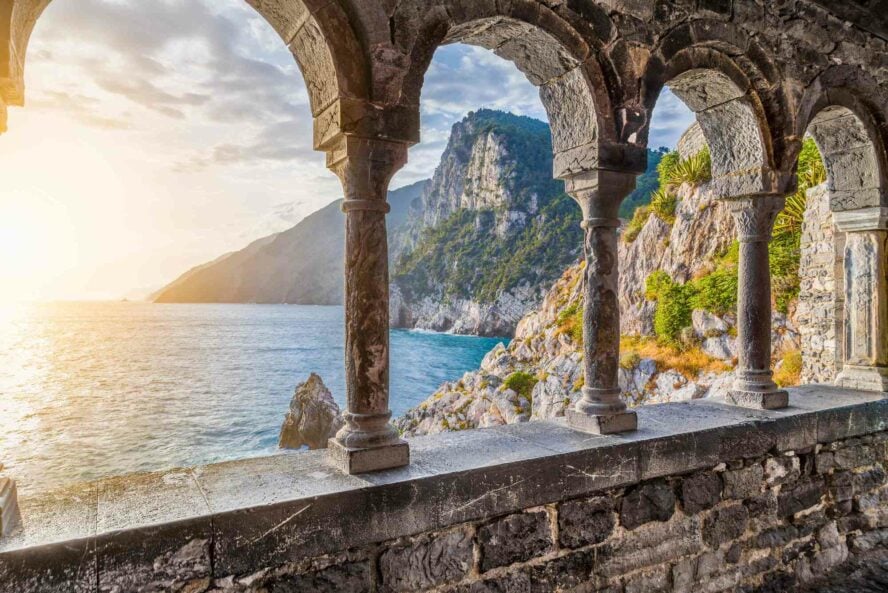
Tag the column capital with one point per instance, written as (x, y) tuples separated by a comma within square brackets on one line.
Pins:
[(600, 192), (864, 219), (365, 166), (755, 216)]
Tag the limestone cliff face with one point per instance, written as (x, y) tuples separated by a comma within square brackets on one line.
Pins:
[(539, 374), (490, 232), (703, 228)]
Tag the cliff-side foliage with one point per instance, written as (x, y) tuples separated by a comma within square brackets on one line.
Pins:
[(672, 172), (716, 291), (465, 258)]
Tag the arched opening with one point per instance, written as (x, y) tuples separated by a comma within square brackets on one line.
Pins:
[(679, 253), (138, 158), (842, 251)]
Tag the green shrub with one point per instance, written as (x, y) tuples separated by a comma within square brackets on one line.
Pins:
[(716, 292), (521, 383), (636, 223), (570, 321), (663, 204), (694, 170), (667, 166), (656, 283), (673, 312)]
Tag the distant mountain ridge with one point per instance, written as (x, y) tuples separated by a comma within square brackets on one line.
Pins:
[(473, 249), (302, 265)]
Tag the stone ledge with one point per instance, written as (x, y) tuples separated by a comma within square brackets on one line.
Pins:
[(239, 517)]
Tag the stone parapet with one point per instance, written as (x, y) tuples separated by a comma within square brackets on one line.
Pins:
[(704, 496)]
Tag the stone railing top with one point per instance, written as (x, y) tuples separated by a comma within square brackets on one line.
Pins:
[(265, 511)]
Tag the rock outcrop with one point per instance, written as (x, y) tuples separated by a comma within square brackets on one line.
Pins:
[(546, 353), (490, 233), (313, 418)]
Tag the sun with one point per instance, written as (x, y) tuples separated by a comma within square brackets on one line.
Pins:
[(30, 240)]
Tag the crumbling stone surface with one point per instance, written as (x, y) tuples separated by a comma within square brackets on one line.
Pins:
[(515, 538), (427, 562), (654, 501)]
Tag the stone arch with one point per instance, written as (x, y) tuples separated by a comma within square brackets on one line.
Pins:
[(318, 34), (843, 304), (718, 72), (847, 133), (556, 48)]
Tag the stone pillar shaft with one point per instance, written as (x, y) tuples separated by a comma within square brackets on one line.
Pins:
[(601, 410), (753, 384), (865, 339), (367, 442)]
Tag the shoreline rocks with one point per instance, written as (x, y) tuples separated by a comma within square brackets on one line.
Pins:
[(313, 418)]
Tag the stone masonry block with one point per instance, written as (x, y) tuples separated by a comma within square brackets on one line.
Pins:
[(516, 538), (743, 483), (340, 578), (654, 501), (725, 525), (701, 492), (426, 562), (800, 496), (584, 522)]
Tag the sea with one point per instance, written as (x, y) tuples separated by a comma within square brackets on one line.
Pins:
[(90, 390)]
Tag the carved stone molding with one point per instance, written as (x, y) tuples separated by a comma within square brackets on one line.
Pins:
[(755, 216), (865, 338)]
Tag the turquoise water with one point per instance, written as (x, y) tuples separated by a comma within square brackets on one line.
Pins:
[(97, 389)]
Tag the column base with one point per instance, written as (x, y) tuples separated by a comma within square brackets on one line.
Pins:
[(361, 461), (9, 511), (864, 378), (599, 424), (767, 400)]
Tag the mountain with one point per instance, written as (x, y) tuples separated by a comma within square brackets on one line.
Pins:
[(473, 249), (490, 232), (301, 265), (678, 261)]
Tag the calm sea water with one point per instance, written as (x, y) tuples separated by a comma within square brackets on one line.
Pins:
[(89, 390)]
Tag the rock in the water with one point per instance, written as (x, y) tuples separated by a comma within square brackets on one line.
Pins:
[(313, 417)]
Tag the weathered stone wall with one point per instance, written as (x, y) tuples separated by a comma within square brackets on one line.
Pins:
[(761, 524), (740, 501), (819, 313)]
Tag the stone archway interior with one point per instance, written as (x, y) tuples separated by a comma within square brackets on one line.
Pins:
[(564, 90), (728, 120)]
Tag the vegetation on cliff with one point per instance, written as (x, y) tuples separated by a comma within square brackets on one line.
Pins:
[(716, 291)]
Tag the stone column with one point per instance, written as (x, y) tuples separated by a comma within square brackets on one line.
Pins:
[(10, 517), (601, 410), (367, 442), (865, 340), (753, 384)]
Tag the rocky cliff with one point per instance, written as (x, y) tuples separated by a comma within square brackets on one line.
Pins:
[(313, 417), (302, 265), (540, 372), (490, 233)]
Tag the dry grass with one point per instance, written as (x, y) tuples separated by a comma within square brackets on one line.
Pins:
[(789, 372), (690, 362)]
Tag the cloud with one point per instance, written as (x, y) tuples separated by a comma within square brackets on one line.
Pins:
[(86, 110)]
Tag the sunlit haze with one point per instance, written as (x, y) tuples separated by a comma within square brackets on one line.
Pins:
[(157, 136)]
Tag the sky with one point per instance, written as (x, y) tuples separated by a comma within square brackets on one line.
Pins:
[(158, 136)]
